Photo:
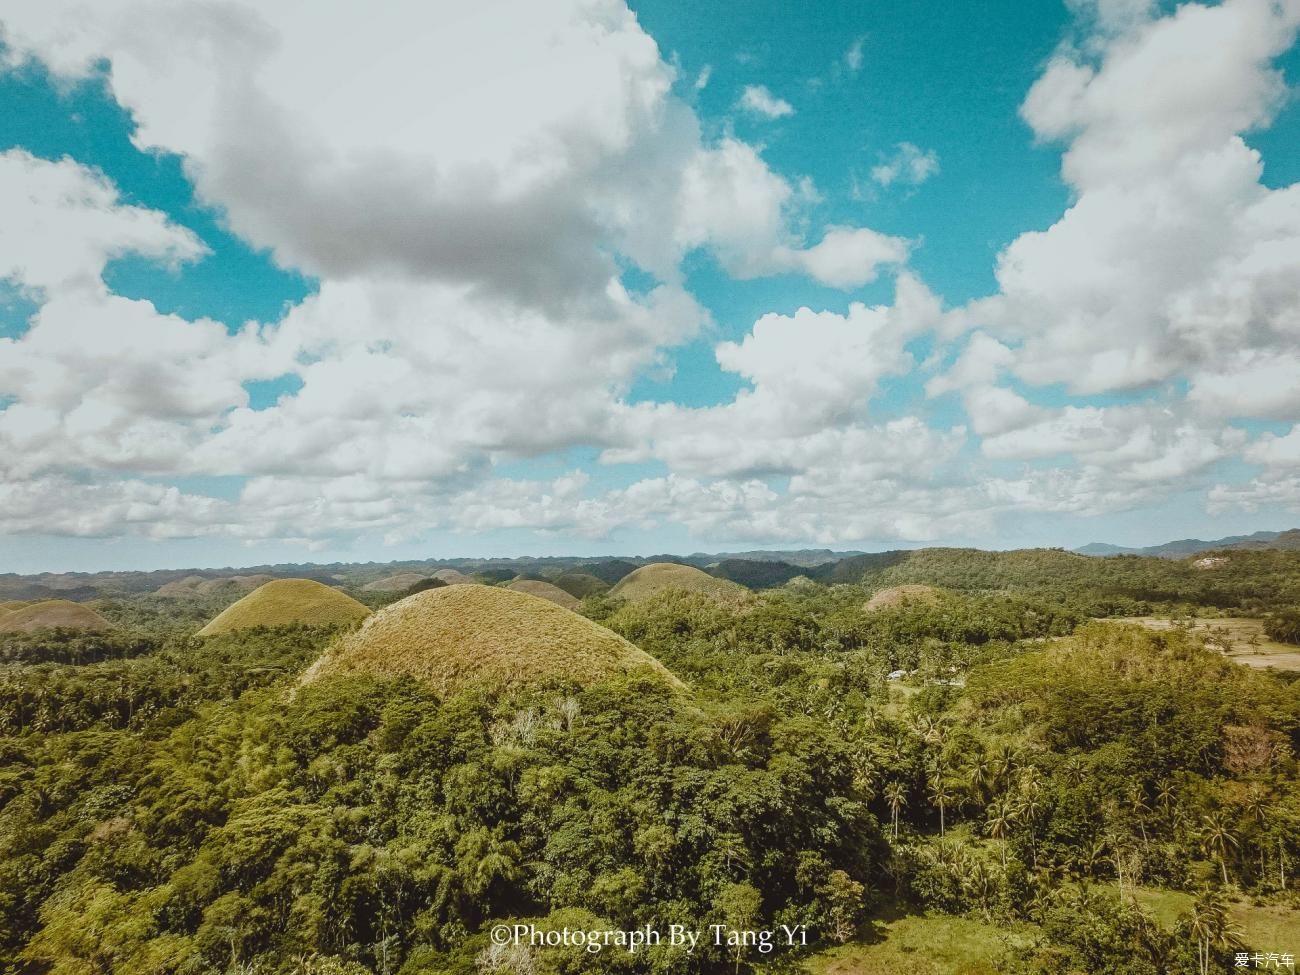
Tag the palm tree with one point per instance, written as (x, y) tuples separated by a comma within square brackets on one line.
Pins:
[(1001, 817), (1137, 804), (1004, 763), (1216, 837), (1165, 795), (896, 796), (1210, 926), (940, 795), (979, 776)]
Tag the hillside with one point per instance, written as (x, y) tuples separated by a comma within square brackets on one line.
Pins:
[(899, 595), (50, 614), (544, 590), (286, 601), (452, 577), (459, 635), (661, 576), (398, 582), (580, 584), (755, 574), (1181, 548)]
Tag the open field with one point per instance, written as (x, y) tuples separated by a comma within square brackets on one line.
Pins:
[(924, 945), (1240, 638)]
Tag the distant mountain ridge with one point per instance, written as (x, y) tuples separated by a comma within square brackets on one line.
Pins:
[(1288, 540)]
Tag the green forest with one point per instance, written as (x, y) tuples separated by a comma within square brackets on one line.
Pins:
[(1007, 753)]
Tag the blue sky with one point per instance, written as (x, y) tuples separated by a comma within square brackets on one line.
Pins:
[(996, 275)]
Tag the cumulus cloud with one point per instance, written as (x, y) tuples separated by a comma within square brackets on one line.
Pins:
[(468, 224), (907, 165), (1173, 257), (63, 223), (1173, 270), (757, 100)]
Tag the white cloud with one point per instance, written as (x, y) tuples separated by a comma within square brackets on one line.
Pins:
[(1173, 258), (853, 56), (757, 100), (63, 223), (907, 165), (811, 377), (469, 308)]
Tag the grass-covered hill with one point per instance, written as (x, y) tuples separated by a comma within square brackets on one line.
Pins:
[(397, 582), (580, 584), (10, 605), (650, 580), (1252, 580), (51, 614), (756, 574), (544, 590), (897, 595), (452, 577), (483, 635), (609, 571), (284, 602)]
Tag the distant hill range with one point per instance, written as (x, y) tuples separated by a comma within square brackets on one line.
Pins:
[(760, 569), (1288, 540)]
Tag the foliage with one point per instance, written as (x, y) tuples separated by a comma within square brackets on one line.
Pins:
[(986, 779)]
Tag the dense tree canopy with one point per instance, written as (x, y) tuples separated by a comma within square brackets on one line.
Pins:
[(170, 805)]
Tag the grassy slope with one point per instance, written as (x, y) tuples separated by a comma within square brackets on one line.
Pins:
[(287, 601), (458, 635), (896, 595), (580, 584), (919, 945), (52, 613), (660, 576), (544, 590), (940, 945), (399, 582)]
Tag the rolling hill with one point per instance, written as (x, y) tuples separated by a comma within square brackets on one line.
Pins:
[(1181, 548), (580, 584), (398, 582), (285, 601), (898, 595), (544, 590), (50, 614), (661, 576), (459, 635)]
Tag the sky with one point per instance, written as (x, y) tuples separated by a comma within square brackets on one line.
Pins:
[(316, 281)]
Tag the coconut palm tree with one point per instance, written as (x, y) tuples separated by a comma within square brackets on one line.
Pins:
[(979, 776), (1001, 817), (1217, 838), (1210, 926), (1137, 805), (896, 796), (1165, 795), (940, 796)]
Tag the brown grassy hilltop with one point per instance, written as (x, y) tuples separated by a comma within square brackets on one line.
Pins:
[(898, 595), (544, 590), (458, 635), (452, 577), (394, 583), (52, 613), (285, 601), (11, 606), (660, 576)]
